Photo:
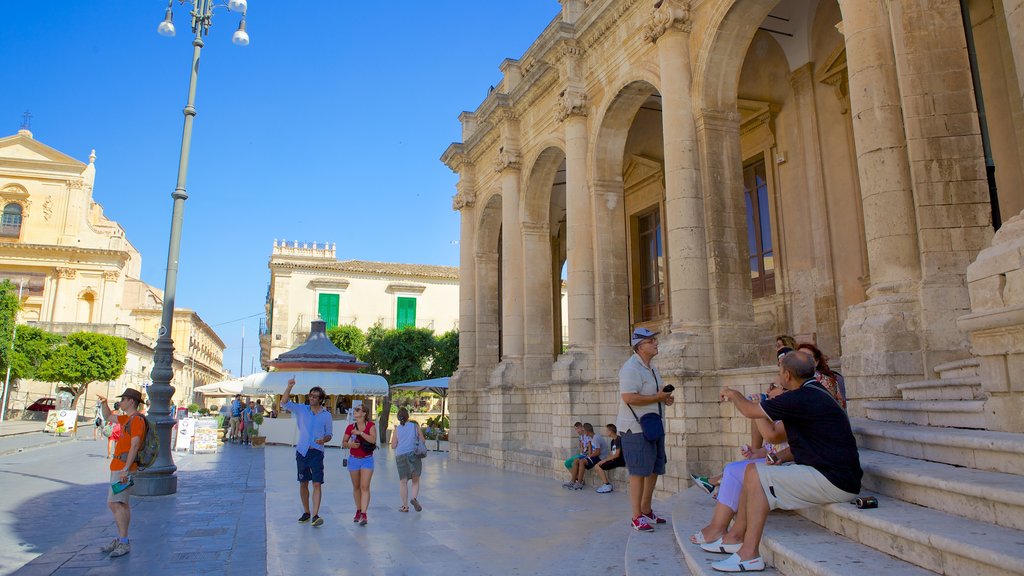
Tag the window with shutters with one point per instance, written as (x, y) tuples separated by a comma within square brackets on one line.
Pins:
[(649, 265), (10, 221), (406, 315), (327, 308)]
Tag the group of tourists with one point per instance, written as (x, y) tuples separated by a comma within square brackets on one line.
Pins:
[(802, 451), (597, 453), (315, 427), (238, 419)]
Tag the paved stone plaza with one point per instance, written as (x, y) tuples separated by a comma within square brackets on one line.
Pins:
[(235, 513)]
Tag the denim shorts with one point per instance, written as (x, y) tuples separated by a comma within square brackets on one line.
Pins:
[(357, 464), (642, 456), (311, 466)]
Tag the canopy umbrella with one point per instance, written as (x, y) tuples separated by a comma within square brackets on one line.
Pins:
[(343, 383), (438, 386), (225, 388)]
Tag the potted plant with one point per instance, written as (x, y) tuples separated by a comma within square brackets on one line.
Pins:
[(254, 433)]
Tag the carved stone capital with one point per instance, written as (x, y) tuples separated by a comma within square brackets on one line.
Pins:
[(571, 102), (66, 272), (111, 275), (536, 229), (667, 15), (463, 200), (507, 159)]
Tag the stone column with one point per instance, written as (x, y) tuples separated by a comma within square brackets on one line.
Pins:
[(463, 389), (954, 213), (577, 363), (537, 308), (64, 299), (881, 344), (511, 256), (689, 346), (819, 289)]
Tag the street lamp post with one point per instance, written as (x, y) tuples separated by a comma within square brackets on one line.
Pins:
[(160, 479)]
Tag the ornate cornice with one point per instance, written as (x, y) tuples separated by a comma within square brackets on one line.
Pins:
[(667, 15), (596, 32), (66, 272)]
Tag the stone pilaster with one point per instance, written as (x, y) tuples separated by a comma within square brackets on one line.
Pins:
[(947, 165), (881, 344), (819, 290), (537, 308), (1014, 10), (508, 165)]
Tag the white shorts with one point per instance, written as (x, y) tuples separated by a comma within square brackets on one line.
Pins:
[(794, 486)]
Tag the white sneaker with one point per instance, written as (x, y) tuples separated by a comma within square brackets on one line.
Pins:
[(604, 489), (734, 564)]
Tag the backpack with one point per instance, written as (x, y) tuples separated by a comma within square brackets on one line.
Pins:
[(150, 448)]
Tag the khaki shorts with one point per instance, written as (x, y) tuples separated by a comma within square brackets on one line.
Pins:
[(123, 497), (794, 486)]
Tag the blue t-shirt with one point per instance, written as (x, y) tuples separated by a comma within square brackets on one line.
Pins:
[(236, 408), (311, 426)]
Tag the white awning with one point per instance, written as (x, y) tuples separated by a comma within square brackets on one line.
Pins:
[(225, 388), (344, 383)]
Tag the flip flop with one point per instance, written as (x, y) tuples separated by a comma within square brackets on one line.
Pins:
[(416, 504), (403, 509)]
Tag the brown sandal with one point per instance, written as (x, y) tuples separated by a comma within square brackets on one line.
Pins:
[(416, 505), (403, 509)]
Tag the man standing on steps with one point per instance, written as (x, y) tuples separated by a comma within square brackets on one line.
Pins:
[(315, 430), (826, 469), (133, 431), (641, 388)]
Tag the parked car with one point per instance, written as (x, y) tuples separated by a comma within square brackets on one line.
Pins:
[(43, 405)]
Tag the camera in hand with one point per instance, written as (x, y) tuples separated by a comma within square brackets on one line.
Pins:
[(668, 389)]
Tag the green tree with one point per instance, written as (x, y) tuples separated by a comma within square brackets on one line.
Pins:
[(446, 355), (83, 358), (350, 339), (32, 348), (9, 306), (400, 356)]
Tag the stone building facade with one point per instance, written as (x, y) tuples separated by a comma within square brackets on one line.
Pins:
[(79, 272), (308, 282), (724, 171)]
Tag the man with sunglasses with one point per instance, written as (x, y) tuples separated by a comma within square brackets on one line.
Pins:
[(315, 430)]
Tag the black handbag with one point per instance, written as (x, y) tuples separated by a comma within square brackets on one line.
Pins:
[(367, 447)]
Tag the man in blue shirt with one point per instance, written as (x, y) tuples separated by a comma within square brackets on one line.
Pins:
[(236, 418), (315, 430)]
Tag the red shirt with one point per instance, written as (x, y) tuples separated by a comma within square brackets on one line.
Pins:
[(358, 452)]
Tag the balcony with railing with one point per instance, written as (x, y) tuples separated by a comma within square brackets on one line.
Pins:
[(120, 330)]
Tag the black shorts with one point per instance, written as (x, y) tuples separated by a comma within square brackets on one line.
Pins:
[(590, 461), (612, 464)]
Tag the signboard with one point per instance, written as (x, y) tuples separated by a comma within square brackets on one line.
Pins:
[(205, 436), (186, 433), (61, 421)]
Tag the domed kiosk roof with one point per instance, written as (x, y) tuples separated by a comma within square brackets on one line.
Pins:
[(317, 353)]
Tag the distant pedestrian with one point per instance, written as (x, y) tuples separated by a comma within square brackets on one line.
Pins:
[(404, 441), (315, 430), (247, 415), (234, 425), (361, 440), (610, 461), (133, 431), (259, 407), (642, 397)]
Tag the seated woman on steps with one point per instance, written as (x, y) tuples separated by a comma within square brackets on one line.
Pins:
[(770, 437)]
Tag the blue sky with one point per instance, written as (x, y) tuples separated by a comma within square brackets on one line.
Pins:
[(327, 127)]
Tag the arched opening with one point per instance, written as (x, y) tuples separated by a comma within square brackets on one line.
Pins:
[(86, 307), (632, 275), (488, 284), (10, 221), (545, 236)]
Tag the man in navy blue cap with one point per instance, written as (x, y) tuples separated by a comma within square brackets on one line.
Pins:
[(642, 398)]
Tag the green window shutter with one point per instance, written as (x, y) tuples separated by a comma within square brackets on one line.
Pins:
[(406, 312), (327, 307)]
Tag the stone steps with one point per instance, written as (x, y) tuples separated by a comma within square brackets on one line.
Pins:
[(943, 413), (654, 553), (958, 368), (978, 449), (958, 388), (792, 545), (993, 497), (931, 539)]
